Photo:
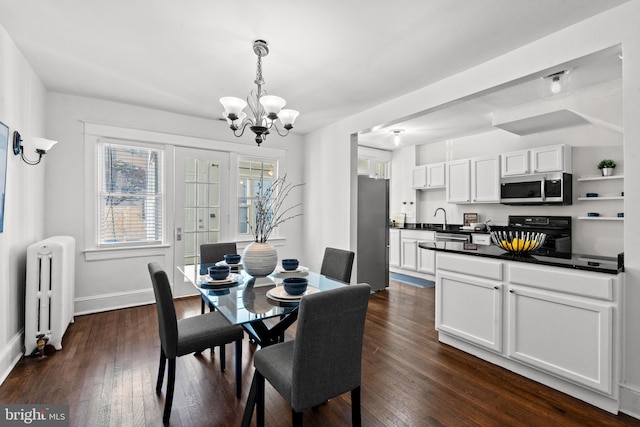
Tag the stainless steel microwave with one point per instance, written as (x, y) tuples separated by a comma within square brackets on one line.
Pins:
[(550, 189)]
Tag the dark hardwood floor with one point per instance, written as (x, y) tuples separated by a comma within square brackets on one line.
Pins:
[(107, 369)]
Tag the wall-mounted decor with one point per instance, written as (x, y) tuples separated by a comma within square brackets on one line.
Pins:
[(4, 147), (468, 218)]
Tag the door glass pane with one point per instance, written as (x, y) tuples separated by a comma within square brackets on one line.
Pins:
[(190, 170), (190, 248), (214, 195), (190, 195), (214, 219), (214, 173), (203, 170), (189, 219)]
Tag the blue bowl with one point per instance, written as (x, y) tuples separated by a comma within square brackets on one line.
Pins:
[(620, 214), (593, 214), (232, 258), (295, 285), (219, 272), (592, 194), (290, 264)]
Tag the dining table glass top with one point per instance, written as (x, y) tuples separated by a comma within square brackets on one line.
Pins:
[(246, 300)]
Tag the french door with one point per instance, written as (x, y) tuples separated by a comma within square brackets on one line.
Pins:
[(201, 209)]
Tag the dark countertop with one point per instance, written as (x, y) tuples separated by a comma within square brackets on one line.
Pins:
[(450, 228), (609, 265)]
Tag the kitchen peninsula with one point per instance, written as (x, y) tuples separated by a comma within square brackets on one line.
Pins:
[(554, 320)]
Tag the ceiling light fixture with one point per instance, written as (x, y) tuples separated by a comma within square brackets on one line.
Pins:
[(396, 136), (558, 81), (41, 146), (265, 109)]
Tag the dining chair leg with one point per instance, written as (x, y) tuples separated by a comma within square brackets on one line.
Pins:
[(259, 399), (223, 358), (163, 361), (238, 368), (251, 403), (296, 418), (356, 416), (171, 380), (201, 305)]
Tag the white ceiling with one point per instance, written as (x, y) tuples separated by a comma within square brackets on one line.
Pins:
[(329, 59)]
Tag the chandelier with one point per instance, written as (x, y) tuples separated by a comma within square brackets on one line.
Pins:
[(266, 110)]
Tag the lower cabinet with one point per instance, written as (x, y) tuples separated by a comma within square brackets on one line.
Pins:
[(411, 257), (567, 336), (470, 308), (556, 323), (394, 248)]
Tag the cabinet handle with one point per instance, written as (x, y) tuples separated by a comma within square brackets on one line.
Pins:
[(512, 291), (496, 287)]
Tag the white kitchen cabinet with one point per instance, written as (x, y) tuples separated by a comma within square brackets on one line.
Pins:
[(419, 181), (394, 247), (555, 325), (568, 336), (429, 176), (409, 253), (411, 256), (485, 179), (555, 158), (436, 175), (458, 181), (470, 308), (426, 261), (515, 163)]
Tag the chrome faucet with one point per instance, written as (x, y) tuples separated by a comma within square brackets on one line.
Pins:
[(445, 215)]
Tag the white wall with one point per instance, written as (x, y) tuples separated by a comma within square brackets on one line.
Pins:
[(331, 145), (22, 108)]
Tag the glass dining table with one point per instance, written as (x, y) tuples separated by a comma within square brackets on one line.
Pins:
[(248, 301)]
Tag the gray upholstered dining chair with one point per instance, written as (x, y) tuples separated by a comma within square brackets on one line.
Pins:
[(337, 264), (325, 358), (210, 253), (189, 335)]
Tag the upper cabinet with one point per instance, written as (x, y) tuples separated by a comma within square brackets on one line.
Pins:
[(429, 176), (485, 179), (555, 158), (475, 180), (458, 181)]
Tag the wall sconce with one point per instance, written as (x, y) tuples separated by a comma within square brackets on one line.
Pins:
[(41, 146)]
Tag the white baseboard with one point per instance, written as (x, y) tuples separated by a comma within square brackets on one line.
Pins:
[(10, 355), (630, 400), (113, 301)]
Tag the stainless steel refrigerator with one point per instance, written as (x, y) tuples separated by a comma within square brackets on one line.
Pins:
[(372, 256)]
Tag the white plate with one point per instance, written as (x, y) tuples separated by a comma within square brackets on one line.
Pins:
[(300, 269), (231, 278), (278, 293)]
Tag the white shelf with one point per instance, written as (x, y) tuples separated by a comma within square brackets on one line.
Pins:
[(602, 218), (599, 178), (591, 199)]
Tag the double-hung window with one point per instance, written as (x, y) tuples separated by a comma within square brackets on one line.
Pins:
[(253, 175), (130, 195)]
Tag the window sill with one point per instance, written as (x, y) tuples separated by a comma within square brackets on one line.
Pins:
[(101, 254)]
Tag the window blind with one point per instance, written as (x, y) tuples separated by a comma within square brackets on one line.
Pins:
[(130, 195)]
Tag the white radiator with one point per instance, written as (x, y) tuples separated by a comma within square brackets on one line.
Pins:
[(49, 291)]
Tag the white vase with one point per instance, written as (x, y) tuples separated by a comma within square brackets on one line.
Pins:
[(607, 171), (259, 259)]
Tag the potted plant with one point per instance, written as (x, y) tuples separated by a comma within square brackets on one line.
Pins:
[(607, 166), (260, 258)]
